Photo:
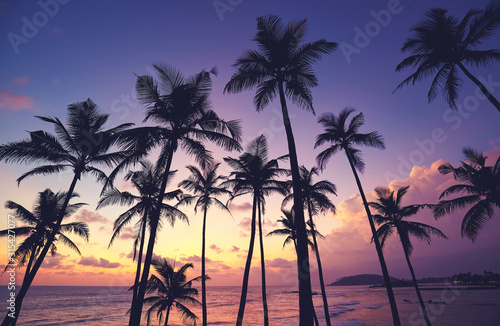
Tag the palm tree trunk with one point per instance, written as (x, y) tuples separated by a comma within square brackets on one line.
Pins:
[(139, 257), (31, 276), (244, 288), (263, 270), (483, 89), (304, 276), (203, 281), (415, 284), (136, 310), (320, 268), (168, 314), (385, 272)]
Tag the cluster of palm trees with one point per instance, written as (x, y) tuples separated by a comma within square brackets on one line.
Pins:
[(178, 108)]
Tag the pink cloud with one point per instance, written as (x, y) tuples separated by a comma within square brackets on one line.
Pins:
[(215, 248), (235, 249), (20, 81), (127, 233), (103, 263), (15, 102), (87, 216), (350, 243), (240, 207)]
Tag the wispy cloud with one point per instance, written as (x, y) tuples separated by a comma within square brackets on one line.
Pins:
[(14, 102), (92, 261), (87, 216), (20, 81)]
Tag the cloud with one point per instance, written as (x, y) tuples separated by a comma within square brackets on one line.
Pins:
[(127, 233), (215, 248), (20, 81), (102, 263), (87, 216), (15, 102), (195, 259), (350, 242), (240, 207), (245, 223), (235, 249)]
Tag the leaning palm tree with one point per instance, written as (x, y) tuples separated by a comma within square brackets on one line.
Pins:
[(283, 66), (180, 107), (205, 186), (442, 44), (172, 289), (393, 217), (480, 185), (316, 201), (81, 146), (147, 184), (40, 224), (253, 173), (344, 136)]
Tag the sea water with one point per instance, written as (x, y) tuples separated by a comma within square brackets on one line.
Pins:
[(348, 306)]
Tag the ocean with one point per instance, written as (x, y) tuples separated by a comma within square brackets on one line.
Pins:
[(348, 306)]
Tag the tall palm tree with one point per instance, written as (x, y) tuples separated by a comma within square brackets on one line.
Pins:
[(283, 66), (147, 184), (253, 173), (316, 201), (40, 224), (180, 107), (442, 44), (344, 136), (172, 289), (81, 146), (205, 186), (393, 217), (288, 229), (480, 185)]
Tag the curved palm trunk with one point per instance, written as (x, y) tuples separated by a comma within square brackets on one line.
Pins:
[(305, 293), (28, 279), (139, 258), (483, 89), (203, 281), (385, 272), (244, 288), (320, 268), (136, 310), (415, 284), (263, 270)]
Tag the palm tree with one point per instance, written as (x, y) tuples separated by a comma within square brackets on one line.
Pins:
[(288, 229), (205, 186), (480, 185), (147, 184), (41, 223), (172, 289), (316, 201), (392, 217), (253, 173), (80, 147), (343, 136), (283, 66), (442, 43), (180, 107)]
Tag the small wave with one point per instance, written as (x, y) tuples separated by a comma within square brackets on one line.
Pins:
[(348, 303), (351, 322), (340, 310), (378, 305)]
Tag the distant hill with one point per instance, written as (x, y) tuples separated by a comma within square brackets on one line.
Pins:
[(367, 279)]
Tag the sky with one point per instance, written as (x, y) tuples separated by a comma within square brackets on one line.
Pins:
[(57, 52)]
